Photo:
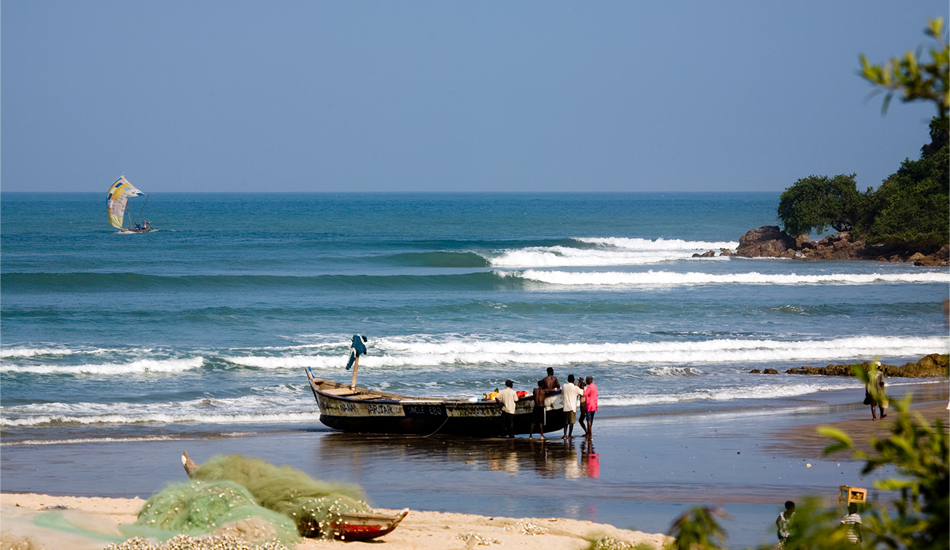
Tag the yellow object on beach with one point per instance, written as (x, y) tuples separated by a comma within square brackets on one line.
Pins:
[(847, 495)]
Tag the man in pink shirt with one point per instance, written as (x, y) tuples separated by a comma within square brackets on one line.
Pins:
[(590, 403)]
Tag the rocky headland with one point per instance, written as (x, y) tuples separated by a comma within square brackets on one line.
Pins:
[(931, 366), (769, 241)]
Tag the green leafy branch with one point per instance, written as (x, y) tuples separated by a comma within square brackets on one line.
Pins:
[(913, 78)]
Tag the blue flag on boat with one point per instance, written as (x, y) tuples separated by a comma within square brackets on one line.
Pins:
[(358, 348)]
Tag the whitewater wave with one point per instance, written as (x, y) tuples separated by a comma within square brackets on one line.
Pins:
[(727, 394), (605, 252), (133, 367), (460, 352), (670, 278), (456, 351), (223, 418), (283, 403)]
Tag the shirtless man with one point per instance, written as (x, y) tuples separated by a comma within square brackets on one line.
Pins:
[(550, 381), (537, 415)]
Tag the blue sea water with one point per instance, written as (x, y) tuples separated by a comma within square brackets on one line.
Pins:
[(204, 326)]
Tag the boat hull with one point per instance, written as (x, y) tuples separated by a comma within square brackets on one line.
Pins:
[(364, 411)]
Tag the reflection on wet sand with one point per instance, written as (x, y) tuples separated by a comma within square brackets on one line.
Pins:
[(550, 458)]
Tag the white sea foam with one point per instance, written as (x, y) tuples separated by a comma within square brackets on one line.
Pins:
[(266, 405), (222, 418), (675, 371), (33, 352), (396, 352), (670, 278), (728, 394), (606, 252), (133, 367)]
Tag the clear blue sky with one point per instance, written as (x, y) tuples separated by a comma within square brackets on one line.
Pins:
[(450, 96)]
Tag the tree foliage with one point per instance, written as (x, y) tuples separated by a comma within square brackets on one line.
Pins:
[(914, 79), (912, 206), (817, 202)]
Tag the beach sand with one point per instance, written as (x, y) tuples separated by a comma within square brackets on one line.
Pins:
[(419, 531), (806, 440)]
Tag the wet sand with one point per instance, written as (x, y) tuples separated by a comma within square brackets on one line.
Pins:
[(638, 473), (806, 440)]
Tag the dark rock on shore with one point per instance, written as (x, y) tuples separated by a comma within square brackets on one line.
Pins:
[(769, 241), (931, 366)]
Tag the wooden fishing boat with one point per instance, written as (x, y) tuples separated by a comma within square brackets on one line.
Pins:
[(355, 409), (366, 526)]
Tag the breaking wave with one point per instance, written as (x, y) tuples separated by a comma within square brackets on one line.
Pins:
[(670, 278)]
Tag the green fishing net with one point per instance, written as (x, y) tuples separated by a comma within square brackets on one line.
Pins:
[(228, 488), (198, 508), (313, 505)]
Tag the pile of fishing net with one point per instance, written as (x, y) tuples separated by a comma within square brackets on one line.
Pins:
[(253, 498)]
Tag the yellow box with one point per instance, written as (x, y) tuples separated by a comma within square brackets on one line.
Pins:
[(847, 495)]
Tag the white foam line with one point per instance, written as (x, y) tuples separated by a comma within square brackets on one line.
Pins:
[(162, 418), (135, 367), (670, 278)]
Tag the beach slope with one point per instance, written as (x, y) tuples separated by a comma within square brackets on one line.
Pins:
[(419, 531)]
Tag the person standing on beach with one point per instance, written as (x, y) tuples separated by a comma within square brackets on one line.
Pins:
[(550, 381), (507, 397), (582, 407), (537, 416), (852, 519), (874, 394), (784, 522), (570, 393), (590, 404)]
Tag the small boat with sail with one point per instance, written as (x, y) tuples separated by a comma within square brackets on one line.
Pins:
[(118, 199)]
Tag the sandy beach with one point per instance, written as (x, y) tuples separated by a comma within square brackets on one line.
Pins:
[(419, 531)]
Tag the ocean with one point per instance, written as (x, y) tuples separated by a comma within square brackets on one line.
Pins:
[(117, 350), (204, 326)]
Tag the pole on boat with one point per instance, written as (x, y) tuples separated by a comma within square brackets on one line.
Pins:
[(356, 365), (358, 348)]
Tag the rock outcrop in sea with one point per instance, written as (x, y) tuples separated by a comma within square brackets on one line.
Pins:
[(769, 241), (931, 366)]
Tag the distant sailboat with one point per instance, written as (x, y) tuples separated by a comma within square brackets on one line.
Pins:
[(116, 202)]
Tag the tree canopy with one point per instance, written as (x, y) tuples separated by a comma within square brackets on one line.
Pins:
[(817, 202)]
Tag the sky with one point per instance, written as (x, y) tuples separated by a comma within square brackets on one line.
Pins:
[(451, 96)]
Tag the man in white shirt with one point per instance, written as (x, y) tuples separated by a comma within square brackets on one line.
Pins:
[(569, 393), (507, 397)]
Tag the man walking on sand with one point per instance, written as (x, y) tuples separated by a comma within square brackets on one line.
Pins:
[(570, 393), (590, 403), (507, 397), (537, 416)]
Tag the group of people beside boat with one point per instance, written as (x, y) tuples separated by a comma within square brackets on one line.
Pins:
[(581, 396)]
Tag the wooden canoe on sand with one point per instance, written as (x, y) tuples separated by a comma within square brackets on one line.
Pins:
[(362, 410)]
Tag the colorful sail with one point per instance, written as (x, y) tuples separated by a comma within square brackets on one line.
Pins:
[(119, 195)]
